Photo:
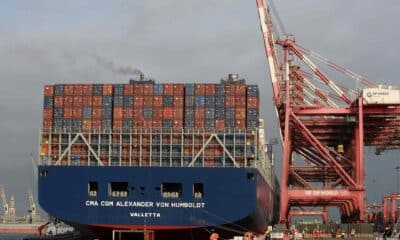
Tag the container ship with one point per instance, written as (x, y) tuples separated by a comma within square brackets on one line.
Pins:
[(162, 160)]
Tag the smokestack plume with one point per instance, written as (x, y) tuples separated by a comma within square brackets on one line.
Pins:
[(127, 70)]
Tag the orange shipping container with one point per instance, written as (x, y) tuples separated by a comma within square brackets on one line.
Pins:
[(199, 113), (179, 89), (148, 89), (77, 113), (178, 101), (128, 113), (157, 113), (240, 89), (87, 101), (118, 113), (97, 101), (68, 89), (96, 124), (199, 123), (177, 124), (168, 89), (178, 113), (157, 101), (240, 101), (68, 113), (168, 113), (240, 113), (252, 102), (78, 101), (138, 89), (240, 124), (147, 123), (220, 124), (199, 89), (230, 101), (209, 90), (47, 114), (138, 114), (107, 89), (47, 124), (86, 124), (117, 124), (128, 89), (78, 89), (156, 123), (97, 113), (48, 90), (58, 101), (68, 101), (137, 123), (87, 89), (147, 101), (138, 101)]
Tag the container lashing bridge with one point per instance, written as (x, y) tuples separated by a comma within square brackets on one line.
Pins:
[(325, 125)]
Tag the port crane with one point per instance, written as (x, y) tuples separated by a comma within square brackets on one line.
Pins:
[(324, 125), (33, 213), (4, 204)]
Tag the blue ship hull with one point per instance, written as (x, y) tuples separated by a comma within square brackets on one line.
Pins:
[(233, 200)]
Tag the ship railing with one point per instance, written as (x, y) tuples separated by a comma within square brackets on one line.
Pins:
[(164, 147)]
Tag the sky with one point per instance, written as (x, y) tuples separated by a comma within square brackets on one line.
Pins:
[(46, 42)]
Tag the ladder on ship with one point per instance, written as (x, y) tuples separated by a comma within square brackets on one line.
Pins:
[(119, 234)]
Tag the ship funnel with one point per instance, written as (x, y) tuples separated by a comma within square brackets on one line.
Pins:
[(233, 77)]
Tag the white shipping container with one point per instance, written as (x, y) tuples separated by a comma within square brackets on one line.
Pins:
[(381, 95)]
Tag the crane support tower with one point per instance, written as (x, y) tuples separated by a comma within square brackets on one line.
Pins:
[(325, 125), (4, 204)]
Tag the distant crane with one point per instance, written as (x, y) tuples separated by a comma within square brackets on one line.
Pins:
[(11, 210), (32, 204), (4, 203)]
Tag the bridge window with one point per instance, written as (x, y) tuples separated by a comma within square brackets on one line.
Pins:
[(118, 189), (171, 190), (93, 189), (198, 190)]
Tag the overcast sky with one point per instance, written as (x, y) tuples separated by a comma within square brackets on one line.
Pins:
[(48, 41)]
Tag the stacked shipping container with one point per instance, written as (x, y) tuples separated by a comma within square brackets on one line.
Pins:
[(125, 108)]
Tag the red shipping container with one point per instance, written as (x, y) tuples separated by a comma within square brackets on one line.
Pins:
[(118, 113), (47, 114), (148, 89), (240, 89), (220, 124), (147, 123), (168, 113), (128, 89), (179, 89), (87, 101), (48, 90), (78, 89), (117, 124), (252, 102), (77, 113), (96, 124), (47, 124), (240, 124), (199, 113), (69, 89), (157, 101), (158, 113), (209, 90), (177, 124), (128, 113), (138, 89), (68, 101), (199, 123), (147, 101), (68, 113), (199, 89), (97, 113), (230, 101), (78, 101), (218, 150), (108, 89), (157, 123), (240, 101), (138, 114), (138, 101), (178, 113), (168, 89), (178, 101), (137, 123), (97, 101), (230, 89), (87, 124), (87, 89), (240, 113), (58, 101)]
